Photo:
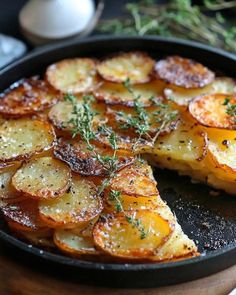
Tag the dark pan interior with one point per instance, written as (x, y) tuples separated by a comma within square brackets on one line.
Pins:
[(206, 217)]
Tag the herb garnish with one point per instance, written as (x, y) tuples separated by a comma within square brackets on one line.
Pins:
[(177, 18), (230, 108), (82, 122)]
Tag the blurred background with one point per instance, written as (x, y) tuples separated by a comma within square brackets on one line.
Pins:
[(212, 22)]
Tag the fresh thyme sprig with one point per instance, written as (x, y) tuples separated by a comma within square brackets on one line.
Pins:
[(140, 122), (230, 108), (82, 121), (178, 18)]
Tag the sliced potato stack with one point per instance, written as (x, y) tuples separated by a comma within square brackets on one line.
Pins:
[(27, 97), (135, 66), (22, 138), (74, 75)]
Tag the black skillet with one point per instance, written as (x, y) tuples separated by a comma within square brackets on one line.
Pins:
[(208, 218)]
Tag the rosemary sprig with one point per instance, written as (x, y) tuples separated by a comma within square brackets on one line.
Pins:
[(82, 120), (178, 18)]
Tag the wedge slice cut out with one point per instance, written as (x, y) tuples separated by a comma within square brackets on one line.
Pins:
[(77, 206), (42, 178), (30, 96), (135, 66), (134, 234), (22, 138), (74, 75), (183, 72), (214, 110)]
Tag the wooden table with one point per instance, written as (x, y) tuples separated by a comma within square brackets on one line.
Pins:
[(19, 277)]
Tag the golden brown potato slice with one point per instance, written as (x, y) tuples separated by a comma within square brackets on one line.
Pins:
[(133, 234), (135, 180), (215, 110), (7, 191), (40, 238), (42, 178), (20, 139), (27, 97), (120, 117), (183, 148), (61, 114), (74, 75), (114, 93), (135, 66), (183, 72), (221, 152), (81, 160), (77, 206), (23, 215), (128, 203), (68, 241), (224, 85)]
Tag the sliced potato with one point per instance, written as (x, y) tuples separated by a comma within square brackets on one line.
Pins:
[(74, 75), (77, 206), (118, 94), (42, 178), (224, 85), (70, 242), (27, 97), (23, 215), (61, 114), (183, 72), (129, 203), (135, 180), (186, 145), (81, 160), (7, 191), (20, 139), (221, 152), (135, 66), (214, 110), (40, 238), (133, 234)]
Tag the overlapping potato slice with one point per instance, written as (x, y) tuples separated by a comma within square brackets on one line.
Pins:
[(77, 206), (42, 178), (135, 66), (221, 152), (62, 113), (224, 85), (183, 148), (69, 241), (183, 72), (132, 234), (20, 139), (118, 94), (215, 110), (135, 180), (74, 75), (23, 215), (27, 97), (161, 118), (7, 192), (82, 160)]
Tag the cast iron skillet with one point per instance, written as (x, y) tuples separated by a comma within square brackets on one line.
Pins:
[(209, 219)]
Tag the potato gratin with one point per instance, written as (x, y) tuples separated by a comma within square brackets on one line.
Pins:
[(76, 149)]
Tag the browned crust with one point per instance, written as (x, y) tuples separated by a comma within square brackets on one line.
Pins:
[(183, 72), (201, 109), (27, 97)]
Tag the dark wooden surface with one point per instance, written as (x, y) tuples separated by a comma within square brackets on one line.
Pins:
[(18, 276)]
